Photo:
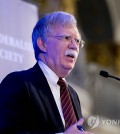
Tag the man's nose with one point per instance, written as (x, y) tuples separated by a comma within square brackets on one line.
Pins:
[(73, 44)]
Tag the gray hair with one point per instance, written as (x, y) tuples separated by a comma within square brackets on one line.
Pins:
[(44, 26)]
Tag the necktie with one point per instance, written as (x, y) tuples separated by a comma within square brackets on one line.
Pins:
[(67, 107)]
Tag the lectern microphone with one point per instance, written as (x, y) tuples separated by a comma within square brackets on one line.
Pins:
[(106, 74)]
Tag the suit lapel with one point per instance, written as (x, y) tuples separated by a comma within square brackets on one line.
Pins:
[(76, 103), (46, 94)]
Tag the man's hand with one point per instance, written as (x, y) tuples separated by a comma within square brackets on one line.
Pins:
[(74, 129)]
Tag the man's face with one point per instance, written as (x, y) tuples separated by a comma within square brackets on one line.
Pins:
[(62, 50)]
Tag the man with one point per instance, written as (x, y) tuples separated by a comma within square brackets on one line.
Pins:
[(30, 101)]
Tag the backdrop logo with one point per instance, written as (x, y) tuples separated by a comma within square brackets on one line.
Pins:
[(93, 121)]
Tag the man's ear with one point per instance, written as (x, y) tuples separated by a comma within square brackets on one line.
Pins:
[(41, 45)]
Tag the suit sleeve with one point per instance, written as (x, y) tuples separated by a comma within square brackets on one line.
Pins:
[(11, 103)]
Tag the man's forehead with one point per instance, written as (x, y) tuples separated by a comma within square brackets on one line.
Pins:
[(71, 29)]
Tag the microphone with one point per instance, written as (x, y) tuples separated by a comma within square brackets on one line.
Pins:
[(106, 74)]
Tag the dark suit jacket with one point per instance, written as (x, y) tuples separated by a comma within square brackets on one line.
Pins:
[(27, 104)]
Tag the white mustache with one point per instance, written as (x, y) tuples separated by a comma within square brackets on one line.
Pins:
[(72, 53)]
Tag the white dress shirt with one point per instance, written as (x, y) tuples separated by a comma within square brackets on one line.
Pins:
[(52, 80)]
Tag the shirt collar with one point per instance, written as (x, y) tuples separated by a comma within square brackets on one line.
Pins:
[(49, 74)]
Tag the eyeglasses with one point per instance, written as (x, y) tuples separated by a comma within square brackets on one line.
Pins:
[(67, 38)]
